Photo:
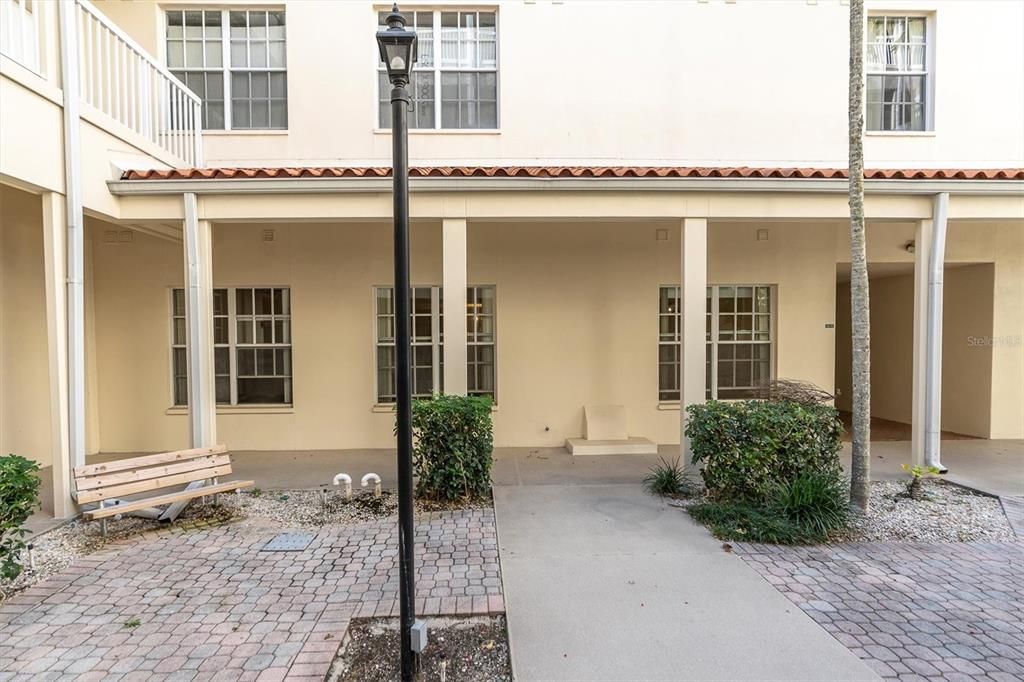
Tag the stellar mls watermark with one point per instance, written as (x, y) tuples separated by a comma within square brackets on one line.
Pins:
[(1007, 341)]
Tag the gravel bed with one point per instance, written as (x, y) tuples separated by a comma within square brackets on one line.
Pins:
[(948, 513), (55, 550), (314, 508), (458, 650)]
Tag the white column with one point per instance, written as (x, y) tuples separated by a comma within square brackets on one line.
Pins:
[(202, 403), (453, 231), (693, 282), (55, 264), (933, 340), (922, 253)]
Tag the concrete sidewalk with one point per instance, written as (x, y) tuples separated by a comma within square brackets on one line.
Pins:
[(605, 582), (995, 467)]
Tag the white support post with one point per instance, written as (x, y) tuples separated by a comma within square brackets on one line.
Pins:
[(922, 253), (75, 233), (929, 259), (55, 264), (454, 278), (693, 292), (933, 342), (198, 248)]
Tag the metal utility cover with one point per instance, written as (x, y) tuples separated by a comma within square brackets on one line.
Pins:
[(289, 542)]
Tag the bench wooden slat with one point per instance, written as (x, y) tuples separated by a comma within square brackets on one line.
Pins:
[(165, 499), (130, 488), (148, 460), (141, 474)]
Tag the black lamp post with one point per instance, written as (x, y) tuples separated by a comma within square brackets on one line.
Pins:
[(398, 51)]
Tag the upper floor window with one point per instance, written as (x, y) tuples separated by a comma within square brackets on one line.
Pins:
[(241, 76), (455, 80), (897, 73)]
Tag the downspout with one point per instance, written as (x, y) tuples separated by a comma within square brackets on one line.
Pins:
[(933, 342), (75, 228)]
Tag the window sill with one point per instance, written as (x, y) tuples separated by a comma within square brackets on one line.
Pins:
[(669, 405), (443, 131), (239, 409), (384, 408), (246, 132), (899, 133)]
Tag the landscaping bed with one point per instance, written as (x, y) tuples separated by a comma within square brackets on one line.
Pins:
[(318, 508), (945, 513), (771, 474), (458, 650)]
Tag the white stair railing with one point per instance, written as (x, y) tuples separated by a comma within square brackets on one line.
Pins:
[(122, 80), (21, 29)]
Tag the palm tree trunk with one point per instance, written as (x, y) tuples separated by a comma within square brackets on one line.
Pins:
[(860, 468)]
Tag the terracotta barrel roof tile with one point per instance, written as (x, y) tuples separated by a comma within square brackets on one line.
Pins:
[(575, 172)]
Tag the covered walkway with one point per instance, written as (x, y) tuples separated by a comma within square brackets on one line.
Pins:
[(992, 466)]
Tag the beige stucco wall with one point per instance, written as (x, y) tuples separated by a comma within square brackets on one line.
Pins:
[(968, 309), (577, 322), (892, 347), (25, 388), (31, 136), (967, 357), (330, 269), (634, 84)]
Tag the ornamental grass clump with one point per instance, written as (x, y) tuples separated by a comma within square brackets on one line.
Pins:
[(19, 497), (771, 470), (665, 479), (452, 447)]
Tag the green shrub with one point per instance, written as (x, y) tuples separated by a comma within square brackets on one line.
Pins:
[(452, 447), (816, 503), (665, 479), (19, 496), (749, 448), (746, 522)]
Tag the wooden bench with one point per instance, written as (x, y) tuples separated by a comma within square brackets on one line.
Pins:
[(199, 469)]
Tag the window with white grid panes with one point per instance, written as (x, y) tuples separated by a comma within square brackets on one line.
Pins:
[(254, 366), (427, 332), (263, 345), (458, 90), (481, 335), (738, 341), (896, 67), (425, 320), (242, 76)]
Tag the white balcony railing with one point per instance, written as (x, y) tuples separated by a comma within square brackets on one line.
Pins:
[(21, 26), (122, 80)]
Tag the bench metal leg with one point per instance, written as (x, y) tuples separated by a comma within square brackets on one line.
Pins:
[(172, 511), (103, 527)]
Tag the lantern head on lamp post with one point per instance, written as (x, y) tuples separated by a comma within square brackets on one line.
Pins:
[(398, 51)]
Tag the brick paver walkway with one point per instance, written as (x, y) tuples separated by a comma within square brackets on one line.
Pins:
[(211, 605), (949, 611)]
